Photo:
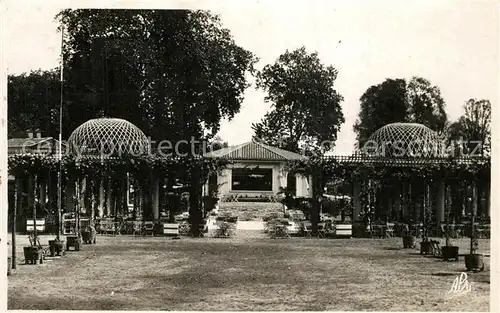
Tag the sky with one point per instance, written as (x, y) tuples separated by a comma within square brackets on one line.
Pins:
[(454, 44)]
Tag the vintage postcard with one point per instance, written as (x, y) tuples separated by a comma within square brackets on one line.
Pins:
[(248, 156)]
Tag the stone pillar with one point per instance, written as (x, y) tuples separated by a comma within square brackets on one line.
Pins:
[(108, 198), (440, 208), (310, 187), (69, 192), (356, 195), (474, 199), (101, 198), (282, 178), (155, 197), (31, 192), (299, 185), (397, 200), (43, 193)]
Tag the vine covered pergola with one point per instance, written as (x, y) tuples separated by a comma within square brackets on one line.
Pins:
[(404, 173), (104, 157)]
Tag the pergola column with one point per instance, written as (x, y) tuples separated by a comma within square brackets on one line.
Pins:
[(299, 186), (440, 209), (70, 189), (101, 198), (397, 200), (356, 195), (43, 193), (108, 198), (155, 197)]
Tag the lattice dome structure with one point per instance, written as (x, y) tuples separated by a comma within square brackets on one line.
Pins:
[(404, 140), (109, 137)]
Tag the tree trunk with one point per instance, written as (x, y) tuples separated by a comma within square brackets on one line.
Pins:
[(195, 214)]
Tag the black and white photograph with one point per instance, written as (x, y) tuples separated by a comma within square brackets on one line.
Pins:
[(248, 155)]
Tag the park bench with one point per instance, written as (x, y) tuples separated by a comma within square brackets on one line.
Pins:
[(171, 229), (40, 225), (343, 230)]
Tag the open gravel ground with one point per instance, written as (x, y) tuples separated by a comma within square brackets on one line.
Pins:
[(245, 273)]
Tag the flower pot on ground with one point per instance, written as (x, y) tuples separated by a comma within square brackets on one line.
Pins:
[(409, 241), (73, 241), (474, 262), (32, 255), (89, 235), (449, 252), (425, 247), (56, 247)]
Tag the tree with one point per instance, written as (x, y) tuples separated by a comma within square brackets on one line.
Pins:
[(396, 100), (306, 112), (173, 73), (33, 102), (472, 132), (426, 106), (380, 105), (217, 143)]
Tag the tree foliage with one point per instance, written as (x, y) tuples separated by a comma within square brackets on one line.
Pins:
[(173, 73), (471, 134), (396, 100), (33, 102), (306, 111)]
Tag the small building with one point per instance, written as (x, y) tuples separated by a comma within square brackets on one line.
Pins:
[(257, 171), (33, 143)]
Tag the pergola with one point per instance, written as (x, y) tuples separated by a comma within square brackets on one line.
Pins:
[(405, 173), (104, 156)]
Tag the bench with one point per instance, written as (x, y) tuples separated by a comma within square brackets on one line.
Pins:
[(40, 225), (171, 229), (343, 230)]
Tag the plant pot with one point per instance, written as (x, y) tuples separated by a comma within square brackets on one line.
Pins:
[(89, 236), (9, 265), (425, 247), (56, 247), (73, 241), (474, 262), (32, 255), (449, 252), (409, 242)]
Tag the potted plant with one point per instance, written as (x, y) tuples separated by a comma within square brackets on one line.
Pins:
[(56, 247), (409, 240), (474, 261), (89, 235)]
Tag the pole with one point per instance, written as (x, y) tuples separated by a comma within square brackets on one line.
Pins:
[(14, 222), (59, 176)]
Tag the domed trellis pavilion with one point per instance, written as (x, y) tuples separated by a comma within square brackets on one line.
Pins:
[(405, 173), (111, 174)]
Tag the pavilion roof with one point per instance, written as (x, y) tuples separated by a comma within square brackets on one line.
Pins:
[(254, 150)]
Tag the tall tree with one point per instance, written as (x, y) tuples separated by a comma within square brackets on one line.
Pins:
[(471, 134), (396, 100), (306, 112), (173, 73), (33, 102), (380, 105), (425, 104)]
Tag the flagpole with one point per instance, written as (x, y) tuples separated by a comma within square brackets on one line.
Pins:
[(59, 178)]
